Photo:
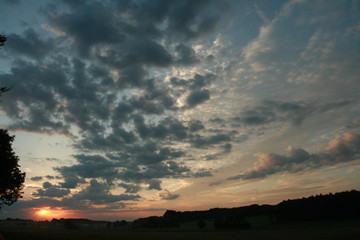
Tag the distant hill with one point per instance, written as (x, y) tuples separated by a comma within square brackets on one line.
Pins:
[(337, 206), (343, 205)]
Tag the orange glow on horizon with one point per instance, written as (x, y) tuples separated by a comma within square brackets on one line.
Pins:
[(47, 213), (43, 212)]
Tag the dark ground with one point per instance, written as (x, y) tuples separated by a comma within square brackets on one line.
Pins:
[(343, 233)]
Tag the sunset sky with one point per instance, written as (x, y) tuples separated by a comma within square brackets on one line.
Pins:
[(123, 109)]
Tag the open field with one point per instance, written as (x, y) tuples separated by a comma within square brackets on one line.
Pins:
[(325, 233), (289, 232)]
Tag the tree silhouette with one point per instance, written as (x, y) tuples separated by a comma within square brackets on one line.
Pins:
[(2, 40), (11, 178)]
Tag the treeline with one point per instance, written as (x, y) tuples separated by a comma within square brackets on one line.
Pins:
[(343, 205), (225, 218), (330, 206)]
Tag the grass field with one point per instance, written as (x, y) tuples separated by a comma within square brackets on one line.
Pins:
[(343, 233), (349, 230)]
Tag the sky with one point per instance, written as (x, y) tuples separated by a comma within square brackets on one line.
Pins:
[(124, 109)]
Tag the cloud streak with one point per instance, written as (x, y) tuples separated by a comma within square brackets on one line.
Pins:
[(341, 150)]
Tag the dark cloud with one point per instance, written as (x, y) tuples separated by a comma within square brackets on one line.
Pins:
[(154, 184), (47, 185), (218, 121), (186, 20), (196, 83), (200, 81), (203, 173), (99, 193), (280, 111), (49, 177), (196, 125), (130, 188), (137, 164), (30, 44), (166, 195), (353, 125), (37, 178), (198, 94), (225, 149), (88, 25), (342, 150), (185, 55), (51, 192), (169, 127), (98, 75), (148, 53), (71, 180), (197, 97), (199, 141), (89, 166), (12, 2), (178, 82)]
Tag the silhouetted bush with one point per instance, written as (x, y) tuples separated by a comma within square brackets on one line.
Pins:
[(69, 225), (119, 224), (149, 222), (231, 222), (201, 224)]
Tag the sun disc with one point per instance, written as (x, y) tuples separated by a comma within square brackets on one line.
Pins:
[(43, 212)]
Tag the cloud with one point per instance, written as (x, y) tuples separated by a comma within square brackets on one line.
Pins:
[(340, 150), (262, 52), (89, 166), (226, 148), (166, 195), (185, 55), (196, 125), (11, 2), (51, 192), (47, 185), (30, 44), (130, 188), (71, 180), (98, 193), (154, 184), (49, 177), (37, 178), (188, 20), (284, 111), (197, 97), (199, 141), (88, 26)]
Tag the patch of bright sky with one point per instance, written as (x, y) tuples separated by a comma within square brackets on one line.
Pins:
[(27, 16), (43, 150)]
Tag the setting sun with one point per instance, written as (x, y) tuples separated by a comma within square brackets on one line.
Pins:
[(43, 212)]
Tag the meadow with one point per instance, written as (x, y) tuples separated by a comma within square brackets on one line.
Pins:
[(347, 230)]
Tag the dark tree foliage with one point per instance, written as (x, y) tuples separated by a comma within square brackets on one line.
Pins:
[(231, 221), (2, 40), (149, 222), (11, 178), (3, 90), (343, 205), (119, 224)]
